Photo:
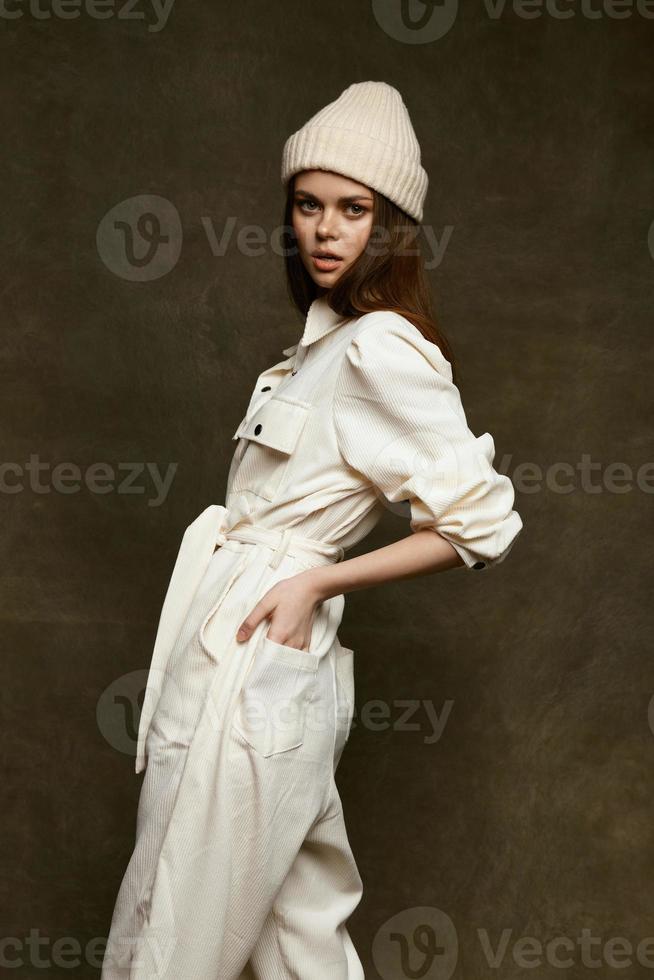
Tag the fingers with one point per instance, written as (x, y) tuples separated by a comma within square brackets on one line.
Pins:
[(249, 624), (245, 629)]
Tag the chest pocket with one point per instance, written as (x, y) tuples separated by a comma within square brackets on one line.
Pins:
[(268, 438)]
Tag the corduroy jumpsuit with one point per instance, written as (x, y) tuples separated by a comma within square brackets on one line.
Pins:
[(242, 868)]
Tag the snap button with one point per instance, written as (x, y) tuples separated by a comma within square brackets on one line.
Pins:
[(479, 564), (257, 429), (266, 388)]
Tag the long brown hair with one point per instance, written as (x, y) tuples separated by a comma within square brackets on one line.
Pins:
[(394, 279)]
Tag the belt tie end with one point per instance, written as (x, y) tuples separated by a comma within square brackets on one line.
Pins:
[(281, 550)]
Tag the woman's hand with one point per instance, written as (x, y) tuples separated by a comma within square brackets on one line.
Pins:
[(291, 606)]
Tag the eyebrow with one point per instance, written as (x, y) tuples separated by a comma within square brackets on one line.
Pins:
[(342, 200)]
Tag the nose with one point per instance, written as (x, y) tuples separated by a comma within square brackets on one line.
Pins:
[(326, 225)]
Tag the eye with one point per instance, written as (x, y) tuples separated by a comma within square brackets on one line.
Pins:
[(361, 210), (305, 203)]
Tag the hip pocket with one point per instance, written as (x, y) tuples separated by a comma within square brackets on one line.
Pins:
[(345, 682), (271, 710)]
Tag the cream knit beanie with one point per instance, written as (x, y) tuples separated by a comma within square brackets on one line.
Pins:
[(365, 134)]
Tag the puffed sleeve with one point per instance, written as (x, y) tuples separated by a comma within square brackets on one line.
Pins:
[(400, 423)]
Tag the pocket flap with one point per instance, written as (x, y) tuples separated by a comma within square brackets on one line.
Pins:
[(277, 424)]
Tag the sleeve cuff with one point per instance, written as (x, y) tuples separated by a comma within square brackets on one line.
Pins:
[(470, 560), (473, 560)]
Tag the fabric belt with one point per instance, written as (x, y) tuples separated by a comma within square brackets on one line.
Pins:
[(235, 524), (287, 543)]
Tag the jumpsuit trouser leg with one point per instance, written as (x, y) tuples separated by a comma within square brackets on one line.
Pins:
[(271, 850), (304, 934)]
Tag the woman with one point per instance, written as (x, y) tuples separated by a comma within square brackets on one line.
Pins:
[(242, 866)]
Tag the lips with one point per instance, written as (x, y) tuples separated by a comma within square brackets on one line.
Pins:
[(325, 262), (325, 255)]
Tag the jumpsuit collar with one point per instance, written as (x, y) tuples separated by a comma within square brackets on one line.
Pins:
[(321, 320)]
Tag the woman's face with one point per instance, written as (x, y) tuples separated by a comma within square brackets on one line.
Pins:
[(333, 214)]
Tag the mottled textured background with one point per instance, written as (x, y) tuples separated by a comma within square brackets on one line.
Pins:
[(532, 812)]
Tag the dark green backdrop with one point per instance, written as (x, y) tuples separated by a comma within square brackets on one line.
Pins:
[(533, 811)]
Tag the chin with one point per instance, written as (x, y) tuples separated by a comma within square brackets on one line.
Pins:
[(325, 279)]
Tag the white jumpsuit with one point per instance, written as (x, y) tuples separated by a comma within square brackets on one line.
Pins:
[(242, 868)]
